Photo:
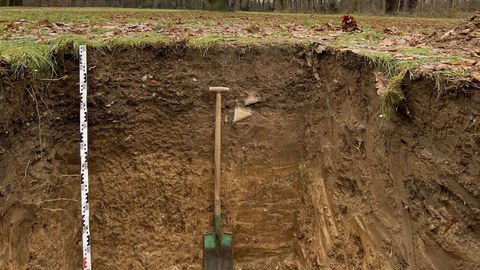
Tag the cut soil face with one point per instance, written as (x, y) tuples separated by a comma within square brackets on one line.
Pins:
[(312, 179)]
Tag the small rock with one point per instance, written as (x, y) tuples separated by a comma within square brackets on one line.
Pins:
[(241, 113)]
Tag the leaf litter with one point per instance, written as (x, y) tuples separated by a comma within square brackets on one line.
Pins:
[(361, 34)]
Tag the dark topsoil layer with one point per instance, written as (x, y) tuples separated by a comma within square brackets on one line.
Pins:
[(314, 178)]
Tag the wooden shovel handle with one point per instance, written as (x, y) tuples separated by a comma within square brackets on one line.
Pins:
[(218, 89), (218, 144)]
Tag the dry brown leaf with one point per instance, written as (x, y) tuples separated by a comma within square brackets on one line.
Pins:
[(320, 48), (10, 26), (43, 22), (388, 31), (381, 83), (447, 34), (442, 66), (349, 23), (475, 77)]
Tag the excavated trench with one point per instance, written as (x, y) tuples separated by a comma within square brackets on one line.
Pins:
[(313, 179)]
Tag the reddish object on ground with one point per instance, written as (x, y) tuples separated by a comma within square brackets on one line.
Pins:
[(349, 23)]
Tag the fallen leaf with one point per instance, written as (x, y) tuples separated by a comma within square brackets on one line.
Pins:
[(381, 83), (43, 22), (9, 26), (442, 66), (349, 23), (464, 63), (388, 31), (320, 49), (475, 77), (447, 34), (253, 28)]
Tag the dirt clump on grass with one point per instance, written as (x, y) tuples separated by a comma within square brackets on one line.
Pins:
[(468, 33), (312, 179)]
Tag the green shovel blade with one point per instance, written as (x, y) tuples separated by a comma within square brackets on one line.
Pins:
[(218, 257)]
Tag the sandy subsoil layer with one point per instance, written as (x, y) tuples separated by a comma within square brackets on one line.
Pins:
[(313, 179)]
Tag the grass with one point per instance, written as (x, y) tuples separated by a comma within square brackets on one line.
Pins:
[(204, 43), (397, 70), (417, 51), (138, 42), (159, 26), (39, 59), (27, 57), (393, 95), (382, 61), (366, 39)]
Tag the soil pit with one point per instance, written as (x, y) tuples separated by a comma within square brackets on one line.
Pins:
[(313, 179)]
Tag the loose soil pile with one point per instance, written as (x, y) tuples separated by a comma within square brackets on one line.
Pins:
[(468, 32), (313, 179)]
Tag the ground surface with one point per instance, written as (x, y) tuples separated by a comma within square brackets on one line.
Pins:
[(313, 179), (446, 46)]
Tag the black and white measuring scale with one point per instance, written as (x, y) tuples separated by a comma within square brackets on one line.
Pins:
[(87, 260)]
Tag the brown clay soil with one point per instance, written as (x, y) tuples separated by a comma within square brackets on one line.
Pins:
[(314, 179)]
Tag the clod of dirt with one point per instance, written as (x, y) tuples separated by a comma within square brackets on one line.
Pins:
[(147, 77), (252, 98), (468, 32)]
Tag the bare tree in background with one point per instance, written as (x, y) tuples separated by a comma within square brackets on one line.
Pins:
[(419, 7)]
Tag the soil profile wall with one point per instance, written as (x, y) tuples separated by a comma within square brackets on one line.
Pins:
[(312, 179)]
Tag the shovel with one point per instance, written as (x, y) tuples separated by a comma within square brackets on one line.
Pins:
[(218, 251)]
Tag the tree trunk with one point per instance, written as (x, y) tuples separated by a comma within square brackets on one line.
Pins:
[(392, 6)]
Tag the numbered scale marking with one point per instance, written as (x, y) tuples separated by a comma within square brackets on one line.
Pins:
[(87, 262)]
